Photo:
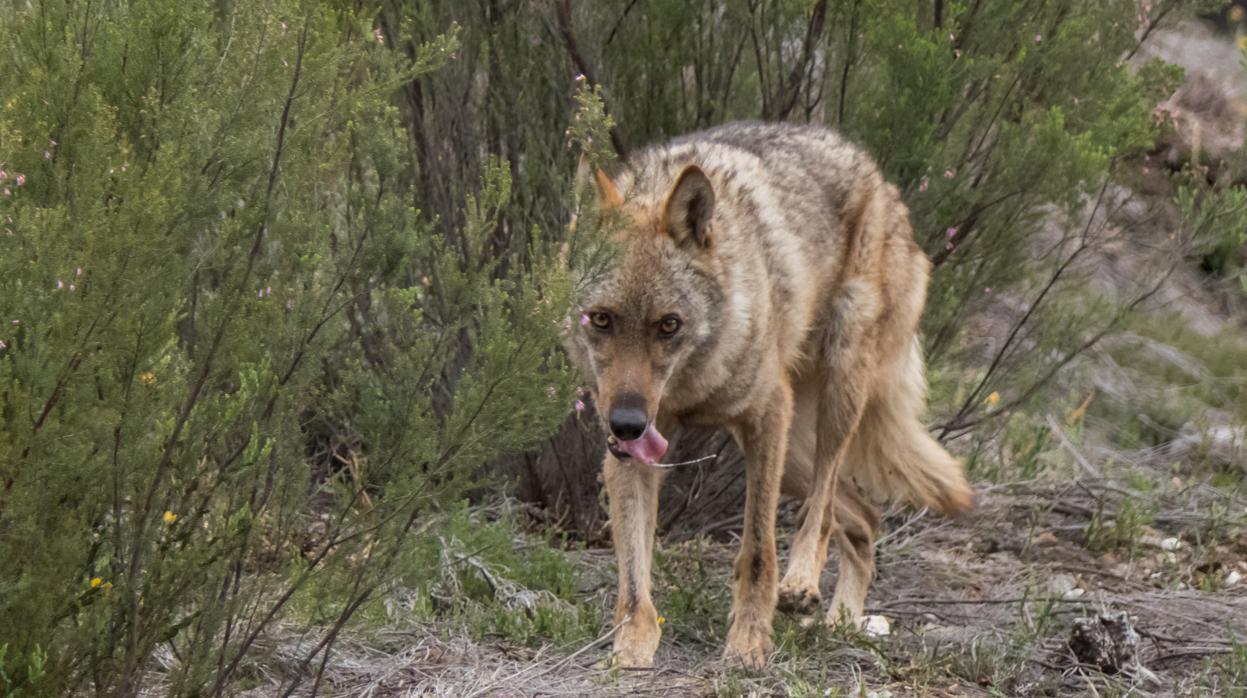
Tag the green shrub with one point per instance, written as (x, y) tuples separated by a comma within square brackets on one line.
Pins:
[(239, 363)]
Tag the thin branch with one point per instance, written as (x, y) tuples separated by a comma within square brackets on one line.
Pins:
[(972, 399), (796, 78), (563, 12), (1151, 26), (848, 64)]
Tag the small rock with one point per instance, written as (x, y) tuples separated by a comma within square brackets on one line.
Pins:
[(877, 626), (1060, 584), (1075, 593), (1232, 578), (1107, 641), (1170, 544)]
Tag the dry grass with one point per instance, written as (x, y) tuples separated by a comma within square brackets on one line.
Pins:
[(980, 606)]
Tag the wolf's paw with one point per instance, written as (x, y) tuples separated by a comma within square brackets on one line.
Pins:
[(798, 601), (749, 645), (636, 642)]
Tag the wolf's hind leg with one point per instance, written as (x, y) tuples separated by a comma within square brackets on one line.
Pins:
[(632, 491), (840, 407), (857, 522)]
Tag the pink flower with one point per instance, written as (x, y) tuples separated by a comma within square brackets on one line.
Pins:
[(949, 174), (584, 319), (3, 345), (579, 405), (951, 232), (21, 180), (47, 155), (60, 284), (73, 287), (987, 290), (1038, 38), (948, 246), (78, 271), (376, 34), (922, 186), (4, 174)]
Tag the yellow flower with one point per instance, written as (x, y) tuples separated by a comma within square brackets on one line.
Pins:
[(661, 620), (993, 399), (147, 378), (108, 585), (169, 517), (96, 582)]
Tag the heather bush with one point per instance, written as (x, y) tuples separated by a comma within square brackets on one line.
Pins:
[(240, 367)]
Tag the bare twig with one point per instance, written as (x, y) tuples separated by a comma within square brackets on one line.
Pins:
[(813, 32), (1065, 442)]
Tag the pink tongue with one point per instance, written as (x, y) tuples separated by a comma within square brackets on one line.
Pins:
[(648, 448)]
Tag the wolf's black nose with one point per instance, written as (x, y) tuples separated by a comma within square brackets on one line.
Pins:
[(628, 423)]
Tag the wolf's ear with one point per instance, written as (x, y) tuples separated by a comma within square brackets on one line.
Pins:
[(608, 193), (686, 217)]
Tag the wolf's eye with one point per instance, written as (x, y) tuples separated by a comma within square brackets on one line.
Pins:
[(600, 320), (668, 326)]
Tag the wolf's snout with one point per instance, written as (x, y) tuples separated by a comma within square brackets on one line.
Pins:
[(628, 418), (628, 423)]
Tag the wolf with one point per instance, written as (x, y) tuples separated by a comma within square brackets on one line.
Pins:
[(766, 282)]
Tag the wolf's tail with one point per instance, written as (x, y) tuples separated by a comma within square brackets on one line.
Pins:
[(893, 456)]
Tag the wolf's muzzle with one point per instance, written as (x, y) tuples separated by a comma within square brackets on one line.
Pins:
[(627, 417), (628, 424)]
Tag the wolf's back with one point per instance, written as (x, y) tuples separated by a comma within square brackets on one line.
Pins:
[(809, 169)]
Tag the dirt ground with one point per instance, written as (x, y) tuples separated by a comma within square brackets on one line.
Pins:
[(982, 605)]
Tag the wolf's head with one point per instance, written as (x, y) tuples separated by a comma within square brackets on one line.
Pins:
[(652, 310)]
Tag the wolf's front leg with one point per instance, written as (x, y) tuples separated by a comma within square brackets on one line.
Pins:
[(763, 437), (632, 489)]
